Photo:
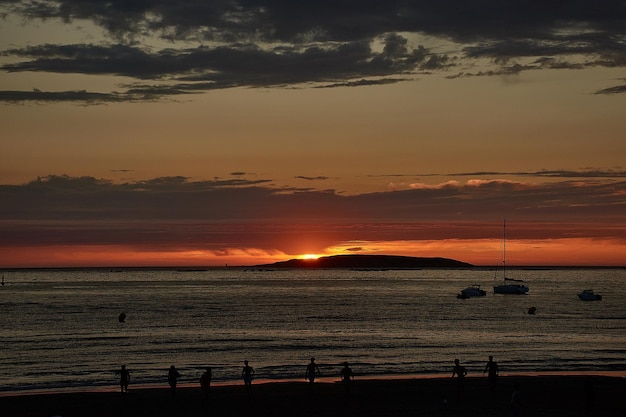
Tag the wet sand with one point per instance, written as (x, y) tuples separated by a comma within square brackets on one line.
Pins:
[(555, 396)]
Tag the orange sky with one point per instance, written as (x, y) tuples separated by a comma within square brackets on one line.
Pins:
[(129, 243), (165, 134), (562, 252)]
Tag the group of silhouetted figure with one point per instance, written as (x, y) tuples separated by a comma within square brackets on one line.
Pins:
[(492, 371), (172, 379), (247, 374), (347, 378)]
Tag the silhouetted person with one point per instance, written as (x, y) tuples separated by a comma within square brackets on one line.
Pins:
[(124, 378), (492, 376), (347, 378), (172, 376), (247, 373), (205, 382), (312, 370), (516, 401), (460, 372)]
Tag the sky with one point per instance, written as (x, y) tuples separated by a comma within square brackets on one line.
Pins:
[(245, 132)]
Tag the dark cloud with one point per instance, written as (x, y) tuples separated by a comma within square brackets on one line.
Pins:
[(200, 69), (549, 47), (582, 173), (618, 89), (98, 59), (588, 173), (363, 82), (318, 178), (324, 20), (354, 249), (273, 43), (62, 96), (178, 211), (585, 173)]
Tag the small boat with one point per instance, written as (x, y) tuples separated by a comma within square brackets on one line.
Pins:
[(510, 285), (473, 291), (588, 295)]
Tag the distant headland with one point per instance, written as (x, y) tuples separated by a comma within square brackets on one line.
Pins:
[(370, 262)]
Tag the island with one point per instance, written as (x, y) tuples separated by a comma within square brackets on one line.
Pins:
[(370, 262)]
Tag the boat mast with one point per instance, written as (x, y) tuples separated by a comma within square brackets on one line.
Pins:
[(504, 249)]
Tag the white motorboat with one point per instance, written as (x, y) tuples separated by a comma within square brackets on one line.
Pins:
[(472, 291)]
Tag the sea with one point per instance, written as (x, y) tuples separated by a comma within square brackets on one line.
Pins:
[(61, 328)]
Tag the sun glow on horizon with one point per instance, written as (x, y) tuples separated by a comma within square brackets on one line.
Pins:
[(479, 252)]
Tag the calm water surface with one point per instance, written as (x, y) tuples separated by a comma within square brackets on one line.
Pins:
[(60, 328)]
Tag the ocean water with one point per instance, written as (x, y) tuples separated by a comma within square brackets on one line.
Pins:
[(60, 328)]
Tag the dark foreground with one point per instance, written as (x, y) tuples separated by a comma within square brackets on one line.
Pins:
[(553, 396)]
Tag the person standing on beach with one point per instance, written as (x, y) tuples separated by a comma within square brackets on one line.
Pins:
[(247, 373), (312, 370), (347, 377), (124, 378), (492, 376), (172, 377), (205, 382), (460, 372)]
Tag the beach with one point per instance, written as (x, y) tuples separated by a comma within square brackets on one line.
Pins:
[(551, 395)]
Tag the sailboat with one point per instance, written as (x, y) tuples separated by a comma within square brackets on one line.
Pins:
[(509, 285)]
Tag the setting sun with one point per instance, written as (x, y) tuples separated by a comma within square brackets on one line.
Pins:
[(310, 256)]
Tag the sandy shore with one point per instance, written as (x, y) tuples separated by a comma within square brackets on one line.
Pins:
[(553, 396)]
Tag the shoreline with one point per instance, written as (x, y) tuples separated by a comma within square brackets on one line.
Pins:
[(547, 395), (319, 380)]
